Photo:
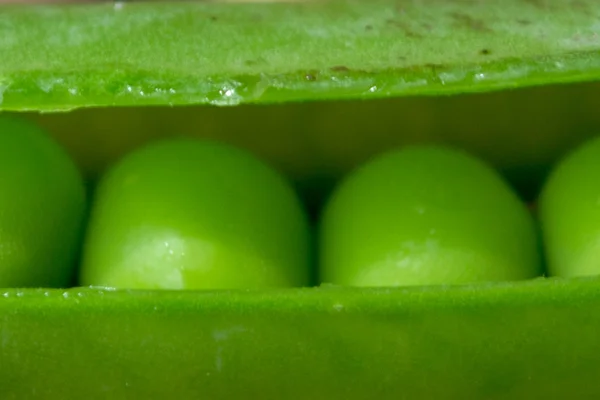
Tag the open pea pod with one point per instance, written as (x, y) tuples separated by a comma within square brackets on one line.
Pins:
[(107, 63)]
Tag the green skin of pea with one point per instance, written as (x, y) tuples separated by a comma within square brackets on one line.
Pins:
[(42, 208), (569, 212), (426, 215), (191, 214)]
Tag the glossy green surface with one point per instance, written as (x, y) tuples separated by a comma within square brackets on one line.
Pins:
[(535, 339), (426, 215), (192, 214), (569, 213), (60, 57), (42, 206)]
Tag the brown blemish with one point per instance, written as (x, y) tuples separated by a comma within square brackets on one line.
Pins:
[(484, 52), (464, 20), (369, 28), (340, 68), (524, 22), (433, 67), (213, 18), (404, 27)]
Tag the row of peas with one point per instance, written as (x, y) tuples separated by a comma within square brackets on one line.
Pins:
[(196, 214)]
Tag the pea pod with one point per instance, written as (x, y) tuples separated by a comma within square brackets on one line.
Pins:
[(278, 63), (228, 54), (524, 341)]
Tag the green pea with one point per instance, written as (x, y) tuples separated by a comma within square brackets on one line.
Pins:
[(42, 206), (423, 216), (569, 209), (190, 214)]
